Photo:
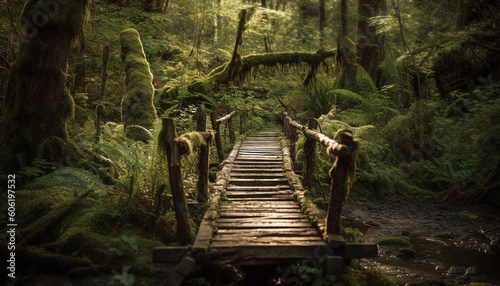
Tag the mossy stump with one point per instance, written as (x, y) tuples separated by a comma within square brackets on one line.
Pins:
[(138, 111)]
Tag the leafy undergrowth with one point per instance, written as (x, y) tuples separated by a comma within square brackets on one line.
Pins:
[(309, 272), (95, 233)]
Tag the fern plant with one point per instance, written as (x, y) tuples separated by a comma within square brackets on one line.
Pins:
[(68, 178)]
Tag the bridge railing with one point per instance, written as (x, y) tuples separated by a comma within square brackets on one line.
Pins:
[(175, 146), (341, 148), (216, 122)]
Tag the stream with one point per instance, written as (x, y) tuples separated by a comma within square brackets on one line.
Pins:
[(452, 245)]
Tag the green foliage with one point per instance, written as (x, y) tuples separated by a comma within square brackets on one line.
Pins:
[(38, 168), (68, 178), (125, 278), (130, 244)]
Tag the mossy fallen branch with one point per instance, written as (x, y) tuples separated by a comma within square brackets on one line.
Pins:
[(314, 59), (51, 262)]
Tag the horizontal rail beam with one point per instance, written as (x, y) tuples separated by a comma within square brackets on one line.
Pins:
[(225, 118), (332, 146)]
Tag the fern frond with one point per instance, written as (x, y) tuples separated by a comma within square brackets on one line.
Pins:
[(70, 179)]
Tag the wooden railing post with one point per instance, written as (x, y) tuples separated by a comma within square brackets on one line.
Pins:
[(243, 122), (291, 133), (218, 140), (204, 161), (184, 230), (341, 147), (310, 157), (230, 127), (338, 186)]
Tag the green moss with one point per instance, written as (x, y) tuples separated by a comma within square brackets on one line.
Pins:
[(38, 203), (137, 104), (394, 241), (191, 141), (407, 253)]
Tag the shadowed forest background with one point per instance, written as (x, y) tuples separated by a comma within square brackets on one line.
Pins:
[(84, 83)]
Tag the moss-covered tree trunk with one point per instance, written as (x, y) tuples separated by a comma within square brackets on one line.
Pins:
[(370, 45), (343, 18), (322, 23), (38, 104), (138, 111)]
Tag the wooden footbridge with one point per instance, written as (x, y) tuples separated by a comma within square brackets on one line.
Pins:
[(257, 214)]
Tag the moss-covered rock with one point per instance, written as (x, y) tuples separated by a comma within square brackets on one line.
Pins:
[(137, 104), (394, 242)]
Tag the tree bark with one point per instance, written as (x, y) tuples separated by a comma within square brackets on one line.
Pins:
[(322, 23), (338, 187), (204, 161), (105, 61), (310, 160), (370, 45), (184, 230), (343, 18), (218, 140), (38, 104)]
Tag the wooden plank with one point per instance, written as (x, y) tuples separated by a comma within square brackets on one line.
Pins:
[(250, 255), (263, 220), (285, 209), (263, 251), (260, 159), (259, 181), (267, 240), (258, 166), (252, 170), (269, 244), (257, 175), (269, 205), (258, 152), (283, 198), (283, 231), (288, 215), (260, 194), (258, 188), (252, 240), (263, 224), (258, 162)]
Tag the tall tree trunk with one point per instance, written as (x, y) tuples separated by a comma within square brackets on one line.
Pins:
[(343, 18), (302, 33), (322, 23), (263, 3), (105, 61), (38, 104), (461, 18), (370, 45), (218, 23)]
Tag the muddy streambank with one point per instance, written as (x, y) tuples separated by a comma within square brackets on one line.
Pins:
[(455, 245)]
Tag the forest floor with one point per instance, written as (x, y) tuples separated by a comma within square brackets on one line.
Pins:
[(450, 244)]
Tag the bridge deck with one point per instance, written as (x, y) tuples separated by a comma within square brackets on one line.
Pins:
[(260, 218)]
